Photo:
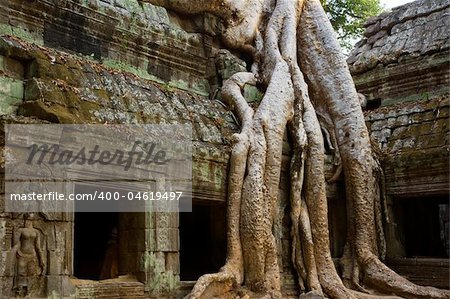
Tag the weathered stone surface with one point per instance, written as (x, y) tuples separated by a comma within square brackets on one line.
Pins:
[(414, 138), (310, 295), (423, 270), (403, 65), (228, 64), (146, 41), (65, 88), (423, 18), (173, 262), (11, 85), (167, 239), (114, 289), (404, 55), (100, 95), (124, 34)]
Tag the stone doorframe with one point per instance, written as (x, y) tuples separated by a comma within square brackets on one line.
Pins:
[(154, 244)]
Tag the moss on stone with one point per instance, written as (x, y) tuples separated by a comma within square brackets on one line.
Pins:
[(160, 281), (11, 87), (252, 94), (179, 84), (53, 113), (6, 29)]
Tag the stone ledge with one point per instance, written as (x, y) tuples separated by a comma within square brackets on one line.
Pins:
[(423, 271), (92, 93), (400, 32), (133, 39)]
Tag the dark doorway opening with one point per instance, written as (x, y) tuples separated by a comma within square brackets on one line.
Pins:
[(202, 240), (337, 219), (424, 223), (372, 104), (93, 241), (107, 244)]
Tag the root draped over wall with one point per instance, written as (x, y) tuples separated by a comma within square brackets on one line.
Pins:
[(308, 91)]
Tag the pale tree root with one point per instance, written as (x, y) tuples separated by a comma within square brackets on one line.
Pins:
[(381, 277), (331, 85), (232, 274), (214, 285), (317, 257), (260, 185), (316, 200), (255, 163)]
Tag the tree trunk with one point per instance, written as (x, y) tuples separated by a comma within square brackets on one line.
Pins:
[(300, 97)]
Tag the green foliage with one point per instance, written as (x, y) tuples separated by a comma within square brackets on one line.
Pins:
[(349, 16)]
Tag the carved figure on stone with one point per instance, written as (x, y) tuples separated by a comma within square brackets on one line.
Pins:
[(28, 262)]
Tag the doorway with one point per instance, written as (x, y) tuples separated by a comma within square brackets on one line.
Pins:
[(107, 244), (96, 246), (424, 226), (202, 240)]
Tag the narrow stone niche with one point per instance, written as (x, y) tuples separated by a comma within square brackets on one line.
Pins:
[(202, 240), (424, 225), (106, 244)]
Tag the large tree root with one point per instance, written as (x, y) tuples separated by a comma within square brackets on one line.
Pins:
[(317, 90), (232, 274), (332, 87)]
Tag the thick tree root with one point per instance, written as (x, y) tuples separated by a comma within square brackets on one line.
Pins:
[(332, 87), (383, 278), (317, 98)]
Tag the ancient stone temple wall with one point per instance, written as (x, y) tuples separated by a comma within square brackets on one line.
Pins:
[(402, 67), (404, 54), (118, 61), (128, 63), (118, 83), (122, 33)]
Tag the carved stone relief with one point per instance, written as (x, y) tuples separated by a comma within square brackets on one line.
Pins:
[(27, 259)]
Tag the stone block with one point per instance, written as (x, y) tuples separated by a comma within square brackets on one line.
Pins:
[(384, 136), (67, 287), (60, 286), (150, 235), (11, 87), (399, 132), (310, 295), (252, 94), (167, 239), (142, 261), (402, 120), (151, 261), (55, 262), (173, 262), (441, 125), (166, 220), (11, 67), (5, 234), (8, 104), (7, 284), (378, 125), (85, 291), (54, 284), (6, 268), (57, 238), (431, 140), (160, 262)]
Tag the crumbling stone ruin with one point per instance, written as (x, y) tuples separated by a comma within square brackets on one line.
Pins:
[(401, 66), (125, 61)]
